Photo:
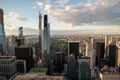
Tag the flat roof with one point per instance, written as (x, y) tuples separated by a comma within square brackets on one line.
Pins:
[(6, 57), (33, 77), (38, 71)]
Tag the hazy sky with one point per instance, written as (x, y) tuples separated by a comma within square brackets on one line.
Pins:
[(63, 14)]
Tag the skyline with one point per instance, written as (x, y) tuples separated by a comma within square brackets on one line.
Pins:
[(88, 15)]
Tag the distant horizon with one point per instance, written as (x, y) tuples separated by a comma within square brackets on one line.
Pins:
[(65, 32)]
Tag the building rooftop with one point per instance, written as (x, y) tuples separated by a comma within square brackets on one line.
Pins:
[(84, 57), (6, 57), (33, 77), (38, 71)]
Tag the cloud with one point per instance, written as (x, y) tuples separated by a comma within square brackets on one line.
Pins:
[(40, 4), (95, 12), (61, 2), (15, 16)]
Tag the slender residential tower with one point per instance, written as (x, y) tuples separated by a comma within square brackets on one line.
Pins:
[(45, 54), (2, 34), (48, 38), (40, 34), (45, 33)]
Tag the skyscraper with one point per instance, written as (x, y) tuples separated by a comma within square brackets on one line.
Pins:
[(73, 48), (72, 68), (45, 33), (40, 34), (20, 32), (20, 39), (99, 52), (112, 55), (25, 53), (2, 34), (46, 54)]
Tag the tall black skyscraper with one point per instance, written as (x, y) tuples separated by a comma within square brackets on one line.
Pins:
[(73, 48), (100, 49), (112, 55)]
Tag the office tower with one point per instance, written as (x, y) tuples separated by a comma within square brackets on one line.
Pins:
[(25, 53), (94, 42), (21, 66), (40, 34), (8, 66), (20, 32), (100, 48), (112, 55), (73, 48), (20, 39), (2, 34), (84, 68), (72, 68), (59, 62)]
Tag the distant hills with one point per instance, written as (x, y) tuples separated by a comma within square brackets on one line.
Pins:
[(30, 31)]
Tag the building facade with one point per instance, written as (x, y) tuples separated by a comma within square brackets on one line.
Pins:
[(112, 55), (73, 48), (8, 66), (25, 53), (2, 34), (100, 50), (84, 68), (72, 68)]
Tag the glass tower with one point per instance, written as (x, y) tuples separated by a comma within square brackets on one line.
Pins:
[(2, 34)]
